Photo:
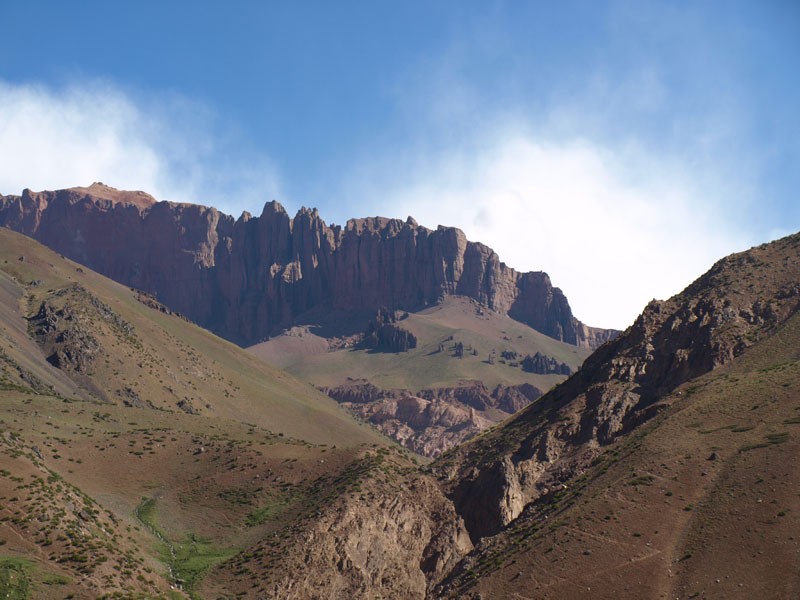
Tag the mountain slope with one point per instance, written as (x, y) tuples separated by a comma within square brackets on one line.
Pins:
[(699, 502), (325, 361), (655, 443), (114, 345), (743, 298), (138, 450), (433, 396), (247, 278)]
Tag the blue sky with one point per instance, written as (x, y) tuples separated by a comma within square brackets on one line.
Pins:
[(620, 146)]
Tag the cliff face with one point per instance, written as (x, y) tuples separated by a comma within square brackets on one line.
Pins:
[(244, 278)]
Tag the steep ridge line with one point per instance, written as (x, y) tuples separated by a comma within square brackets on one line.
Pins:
[(743, 298), (246, 278)]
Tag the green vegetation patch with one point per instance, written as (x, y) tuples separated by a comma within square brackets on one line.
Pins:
[(272, 510), (723, 428), (145, 512), (642, 480), (193, 558), (772, 438), (14, 581), (187, 561)]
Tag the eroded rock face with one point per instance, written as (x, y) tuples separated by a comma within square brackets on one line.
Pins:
[(65, 324), (539, 363), (244, 278), (623, 384), (390, 533), (385, 335), (432, 421)]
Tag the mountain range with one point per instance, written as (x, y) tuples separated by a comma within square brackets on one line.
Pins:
[(260, 281), (247, 278), (141, 455)]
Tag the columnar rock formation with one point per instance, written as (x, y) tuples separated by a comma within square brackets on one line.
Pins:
[(245, 278)]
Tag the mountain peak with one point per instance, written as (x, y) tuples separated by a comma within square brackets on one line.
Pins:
[(273, 207), (102, 191)]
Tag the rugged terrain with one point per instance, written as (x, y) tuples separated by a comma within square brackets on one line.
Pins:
[(250, 277), (433, 420), (465, 373), (316, 290), (137, 450), (673, 445), (141, 455), (662, 469)]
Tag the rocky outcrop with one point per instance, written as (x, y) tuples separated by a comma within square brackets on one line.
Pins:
[(245, 278), (432, 421), (380, 529), (385, 335), (544, 365), (69, 326), (67, 343), (626, 382), (65, 326)]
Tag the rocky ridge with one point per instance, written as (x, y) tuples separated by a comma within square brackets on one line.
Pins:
[(743, 298), (381, 529), (384, 334), (246, 278)]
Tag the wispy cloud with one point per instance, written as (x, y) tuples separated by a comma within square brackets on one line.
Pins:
[(613, 228), (623, 174), (168, 146)]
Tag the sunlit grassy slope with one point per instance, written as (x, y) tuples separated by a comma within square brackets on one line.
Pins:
[(306, 355), (156, 452), (163, 360)]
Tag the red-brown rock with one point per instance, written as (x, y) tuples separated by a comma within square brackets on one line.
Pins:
[(245, 278)]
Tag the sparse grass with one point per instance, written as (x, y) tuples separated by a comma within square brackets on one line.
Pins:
[(723, 428), (268, 512), (55, 579), (425, 366), (642, 480), (14, 579), (772, 438), (194, 557)]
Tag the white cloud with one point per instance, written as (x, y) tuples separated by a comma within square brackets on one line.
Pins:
[(167, 146), (613, 224), (605, 178), (613, 227)]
